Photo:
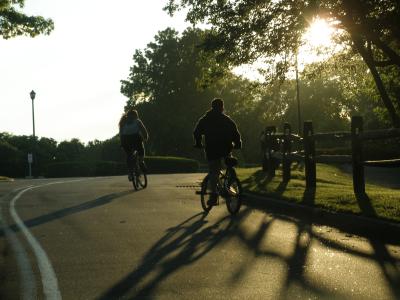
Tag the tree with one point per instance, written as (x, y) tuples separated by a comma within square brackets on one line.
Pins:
[(245, 30), (169, 85), (14, 23), (355, 85), (70, 150), (46, 149), (9, 153)]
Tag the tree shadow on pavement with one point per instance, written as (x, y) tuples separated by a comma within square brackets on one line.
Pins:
[(296, 264), (191, 240), (389, 265), (103, 200), (182, 245), (382, 255)]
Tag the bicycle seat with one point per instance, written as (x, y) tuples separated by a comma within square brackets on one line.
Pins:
[(231, 161)]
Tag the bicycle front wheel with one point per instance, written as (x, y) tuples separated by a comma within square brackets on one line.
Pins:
[(233, 197), (205, 194)]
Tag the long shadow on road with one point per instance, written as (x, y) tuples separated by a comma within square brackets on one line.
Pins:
[(103, 200), (189, 241), (378, 240), (194, 238)]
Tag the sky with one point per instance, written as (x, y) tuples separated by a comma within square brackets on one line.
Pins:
[(76, 70)]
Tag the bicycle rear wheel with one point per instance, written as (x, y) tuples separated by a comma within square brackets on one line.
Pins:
[(135, 182), (233, 188), (141, 178), (205, 194)]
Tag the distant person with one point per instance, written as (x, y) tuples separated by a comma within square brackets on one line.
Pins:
[(132, 133), (221, 137)]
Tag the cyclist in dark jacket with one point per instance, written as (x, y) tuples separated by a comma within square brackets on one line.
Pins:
[(221, 137)]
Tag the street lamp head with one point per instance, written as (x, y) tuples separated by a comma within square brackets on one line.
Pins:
[(33, 94)]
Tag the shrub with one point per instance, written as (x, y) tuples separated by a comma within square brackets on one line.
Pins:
[(11, 162)]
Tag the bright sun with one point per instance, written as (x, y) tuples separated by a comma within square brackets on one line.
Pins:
[(317, 46), (318, 42), (319, 34)]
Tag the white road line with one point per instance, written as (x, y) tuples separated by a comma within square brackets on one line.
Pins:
[(27, 278), (49, 278)]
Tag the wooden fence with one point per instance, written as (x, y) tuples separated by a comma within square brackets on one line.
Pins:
[(277, 148)]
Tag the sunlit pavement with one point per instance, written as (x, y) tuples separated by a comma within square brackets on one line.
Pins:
[(103, 240)]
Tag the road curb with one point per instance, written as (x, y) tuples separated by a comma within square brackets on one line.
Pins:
[(6, 179), (344, 221)]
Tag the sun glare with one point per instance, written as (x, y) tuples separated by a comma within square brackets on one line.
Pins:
[(317, 45), (319, 34), (318, 42)]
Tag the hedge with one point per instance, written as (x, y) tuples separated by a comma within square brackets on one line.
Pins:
[(10, 169), (154, 164), (168, 164)]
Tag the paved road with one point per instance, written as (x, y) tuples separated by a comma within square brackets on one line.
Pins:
[(97, 239)]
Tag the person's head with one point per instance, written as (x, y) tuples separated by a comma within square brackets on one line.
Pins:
[(217, 105), (132, 114)]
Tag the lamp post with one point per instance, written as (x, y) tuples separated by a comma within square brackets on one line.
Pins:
[(30, 155), (33, 94), (298, 95)]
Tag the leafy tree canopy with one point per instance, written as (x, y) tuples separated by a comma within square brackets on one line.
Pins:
[(245, 30), (14, 22), (169, 85)]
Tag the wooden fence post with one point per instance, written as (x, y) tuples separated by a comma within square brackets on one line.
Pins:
[(309, 155), (357, 155), (267, 148), (270, 137), (263, 141), (286, 151)]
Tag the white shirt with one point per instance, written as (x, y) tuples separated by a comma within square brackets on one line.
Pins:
[(131, 127)]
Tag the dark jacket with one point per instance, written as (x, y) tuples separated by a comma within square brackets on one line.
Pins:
[(220, 132)]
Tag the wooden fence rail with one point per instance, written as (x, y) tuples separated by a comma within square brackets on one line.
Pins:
[(277, 148)]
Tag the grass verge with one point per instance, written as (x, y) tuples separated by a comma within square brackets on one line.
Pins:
[(334, 191)]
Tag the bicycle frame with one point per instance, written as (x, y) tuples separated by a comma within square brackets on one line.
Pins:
[(135, 160), (138, 172)]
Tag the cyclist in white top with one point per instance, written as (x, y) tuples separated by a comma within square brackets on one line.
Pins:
[(132, 133)]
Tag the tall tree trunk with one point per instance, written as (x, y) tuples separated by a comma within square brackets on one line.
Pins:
[(351, 27), (391, 54), (378, 81)]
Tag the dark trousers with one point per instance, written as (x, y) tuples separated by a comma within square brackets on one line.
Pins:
[(214, 167), (131, 143)]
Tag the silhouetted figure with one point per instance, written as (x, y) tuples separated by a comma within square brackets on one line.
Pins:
[(221, 137), (132, 133)]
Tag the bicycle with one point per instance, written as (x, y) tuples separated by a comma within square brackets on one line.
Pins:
[(228, 187), (139, 176)]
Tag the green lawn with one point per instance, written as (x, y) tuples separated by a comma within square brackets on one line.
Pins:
[(334, 191)]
